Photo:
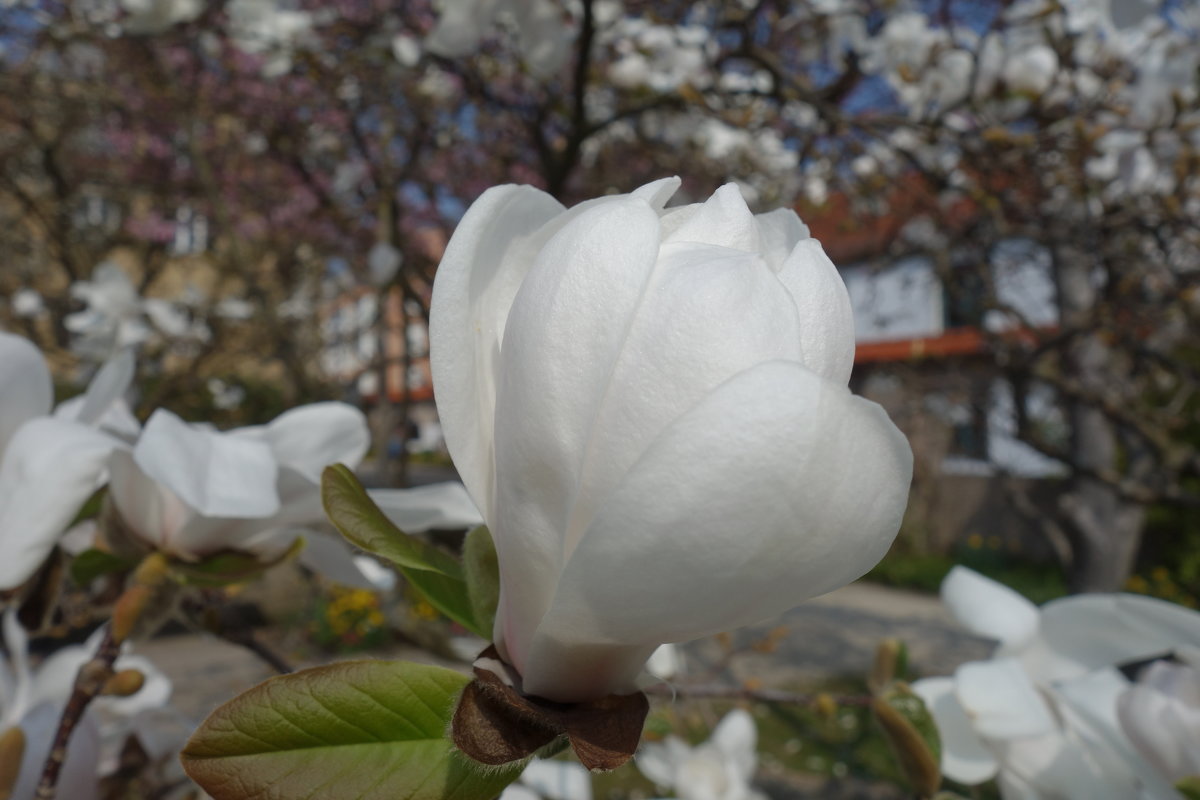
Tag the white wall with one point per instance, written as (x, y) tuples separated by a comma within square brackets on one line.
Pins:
[(903, 301)]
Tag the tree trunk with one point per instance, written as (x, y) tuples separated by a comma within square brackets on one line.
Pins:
[(1105, 530)]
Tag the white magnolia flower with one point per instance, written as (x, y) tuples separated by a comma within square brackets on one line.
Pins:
[(265, 27), (116, 316), (50, 464), (383, 261), (1161, 716), (33, 700), (226, 396), (190, 491), (551, 780), (542, 35), (27, 303), (649, 405), (720, 769), (406, 49), (665, 663), (1040, 716), (156, 16)]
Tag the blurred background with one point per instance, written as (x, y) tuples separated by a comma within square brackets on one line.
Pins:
[(255, 194)]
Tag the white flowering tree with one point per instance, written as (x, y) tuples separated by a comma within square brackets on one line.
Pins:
[(276, 140)]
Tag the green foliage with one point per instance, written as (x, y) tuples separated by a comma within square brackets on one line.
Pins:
[(1189, 787), (358, 730), (91, 564), (1040, 583), (482, 569), (436, 574), (229, 566)]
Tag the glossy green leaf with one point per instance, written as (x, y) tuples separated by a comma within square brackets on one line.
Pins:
[(358, 730), (91, 564), (482, 570), (434, 573)]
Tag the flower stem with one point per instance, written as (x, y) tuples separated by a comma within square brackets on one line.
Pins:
[(88, 682)]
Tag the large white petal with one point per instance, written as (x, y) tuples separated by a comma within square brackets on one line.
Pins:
[(484, 264), (117, 421), (26, 390), (299, 510), (107, 388), (660, 762), (965, 758), (436, 506), (150, 511), (708, 313), (216, 474), (826, 318), (565, 332), (1001, 701), (778, 475), (1100, 630), (723, 220), (658, 192), (1057, 764), (312, 437), (779, 232), (1090, 706), (987, 608), (736, 737), (48, 471)]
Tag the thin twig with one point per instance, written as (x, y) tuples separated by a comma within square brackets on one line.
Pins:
[(89, 681), (718, 691), (252, 643), (203, 615)]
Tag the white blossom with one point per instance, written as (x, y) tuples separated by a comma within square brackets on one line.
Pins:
[(721, 768), (590, 363)]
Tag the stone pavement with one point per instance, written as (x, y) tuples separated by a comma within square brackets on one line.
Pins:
[(836, 635), (831, 636)]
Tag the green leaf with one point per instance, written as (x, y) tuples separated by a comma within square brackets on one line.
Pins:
[(1189, 787), (91, 564), (358, 730), (482, 570), (435, 574), (229, 566)]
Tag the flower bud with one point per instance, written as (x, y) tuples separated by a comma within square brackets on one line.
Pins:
[(12, 750), (124, 683), (650, 408)]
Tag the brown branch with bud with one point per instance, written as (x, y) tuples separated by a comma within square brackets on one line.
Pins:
[(90, 682)]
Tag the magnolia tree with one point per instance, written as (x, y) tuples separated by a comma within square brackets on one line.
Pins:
[(645, 396), (289, 148)]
